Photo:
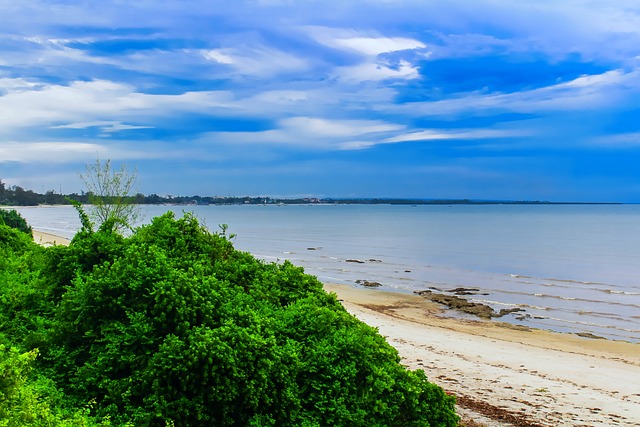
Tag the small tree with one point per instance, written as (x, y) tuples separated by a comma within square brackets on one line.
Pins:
[(110, 194)]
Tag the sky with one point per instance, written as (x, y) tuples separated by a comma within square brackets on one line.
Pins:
[(483, 99)]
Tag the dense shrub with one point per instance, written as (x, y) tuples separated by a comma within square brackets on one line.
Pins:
[(14, 220), (27, 397), (174, 326)]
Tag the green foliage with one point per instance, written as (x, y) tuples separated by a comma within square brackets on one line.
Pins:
[(85, 221), (14, 220), (28, 400), (173, 326)]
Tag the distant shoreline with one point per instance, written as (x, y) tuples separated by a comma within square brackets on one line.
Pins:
[(228, 201), (17, 196)]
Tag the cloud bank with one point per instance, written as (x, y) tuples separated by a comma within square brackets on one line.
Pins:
[(365, 98)]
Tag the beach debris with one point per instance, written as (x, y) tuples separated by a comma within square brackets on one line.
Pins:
[(368, 283)]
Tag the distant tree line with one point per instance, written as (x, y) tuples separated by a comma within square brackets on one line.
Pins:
[(18, 196), (14, 195)]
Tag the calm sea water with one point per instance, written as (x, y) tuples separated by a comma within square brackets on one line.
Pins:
[(573, 268)]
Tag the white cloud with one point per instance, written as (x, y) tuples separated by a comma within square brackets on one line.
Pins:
[(373, 46), (336, 128), (368, 44), (310, 132), (218, 55), (464, 134), (28, 104), (621, 140), (46, 152), (376, 71), (581, 94), (59, 152), (608, 78), (12, 85), (105, 126), (257, 61), (373, 63)]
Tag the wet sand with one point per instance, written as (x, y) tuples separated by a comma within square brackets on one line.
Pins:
[(505, 375)]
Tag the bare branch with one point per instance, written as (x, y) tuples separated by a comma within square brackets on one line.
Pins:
[(111, 194)]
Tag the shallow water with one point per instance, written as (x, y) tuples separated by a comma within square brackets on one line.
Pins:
[(573, 268)]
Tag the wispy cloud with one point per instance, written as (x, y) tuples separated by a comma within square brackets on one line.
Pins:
[(583, 93), (105, 126), (310, 132), (458, 134), (250, 61), (621, 140), (27, 104), (44, 152)]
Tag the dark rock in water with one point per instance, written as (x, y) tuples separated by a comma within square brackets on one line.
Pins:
[(313, 249), (355, 260), (375, 260), (589, 335), (506, 311), (368, 283), (407, 271), (464, 291)]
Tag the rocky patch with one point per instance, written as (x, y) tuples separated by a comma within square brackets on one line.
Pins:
[(463, 305), (368, 283)]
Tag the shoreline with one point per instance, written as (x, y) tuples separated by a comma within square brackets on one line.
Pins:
[(48, 239), (505, 375)]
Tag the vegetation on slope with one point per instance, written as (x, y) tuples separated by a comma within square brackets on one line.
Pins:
[(173, 326), (14, 220)]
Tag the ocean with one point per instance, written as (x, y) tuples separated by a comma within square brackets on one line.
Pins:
[(571, 268)]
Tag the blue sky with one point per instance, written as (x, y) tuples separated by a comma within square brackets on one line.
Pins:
[(483, 99)]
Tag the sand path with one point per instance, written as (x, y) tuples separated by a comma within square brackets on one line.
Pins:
[(505, 376)]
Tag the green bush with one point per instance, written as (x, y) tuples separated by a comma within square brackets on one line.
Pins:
[(14, 220), (174, 326), (29, 400)]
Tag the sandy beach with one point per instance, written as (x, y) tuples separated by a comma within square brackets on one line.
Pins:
[(48, 239), (504, 375)]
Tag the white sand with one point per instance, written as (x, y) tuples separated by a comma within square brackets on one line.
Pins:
[(516, 377), (48, 239)]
